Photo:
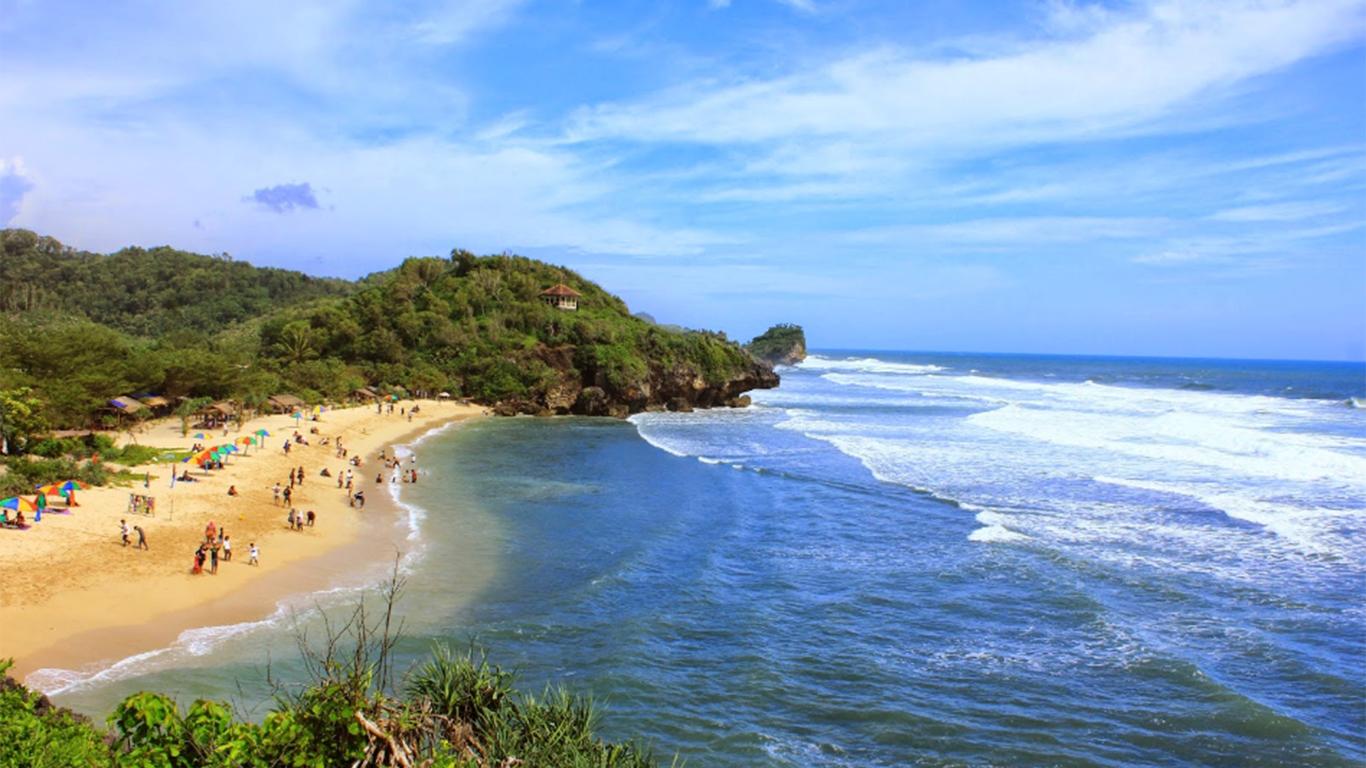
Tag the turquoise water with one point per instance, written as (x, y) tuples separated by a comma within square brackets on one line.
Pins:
[(908, 558)]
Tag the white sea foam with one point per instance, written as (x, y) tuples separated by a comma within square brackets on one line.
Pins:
[(866, 365), (1079, 463), (996, 533)]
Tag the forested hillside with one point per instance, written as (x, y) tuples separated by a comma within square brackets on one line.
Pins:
[(148, 292), (81, 328)]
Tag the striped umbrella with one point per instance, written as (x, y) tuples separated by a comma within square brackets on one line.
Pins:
[(18, 503)]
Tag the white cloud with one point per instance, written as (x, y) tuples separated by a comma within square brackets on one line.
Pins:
[(1290, 211), (1123, 73)]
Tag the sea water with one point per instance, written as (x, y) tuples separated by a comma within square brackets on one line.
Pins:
[(902, 558)]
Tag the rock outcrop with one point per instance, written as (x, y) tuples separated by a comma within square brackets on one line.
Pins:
[(782, 344), (680, 388)]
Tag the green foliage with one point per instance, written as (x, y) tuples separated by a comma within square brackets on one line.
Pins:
[(20, 416), (35, 735), (24, 473), (458, 711), (145, 292), (779, 342), (204, 328)]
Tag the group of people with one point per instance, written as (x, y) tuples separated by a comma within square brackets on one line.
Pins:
[(297, 519), (396, 470), (217, 544)]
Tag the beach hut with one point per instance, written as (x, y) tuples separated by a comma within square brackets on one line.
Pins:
[(284, 403), (125, 405), (561, 296), (365, 395), (158, 405), (214, 414)]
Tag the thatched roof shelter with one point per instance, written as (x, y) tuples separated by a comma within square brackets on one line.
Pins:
[(125, 404), (285, 403)]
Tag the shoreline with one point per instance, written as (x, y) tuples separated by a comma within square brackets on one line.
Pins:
[(100, 614)]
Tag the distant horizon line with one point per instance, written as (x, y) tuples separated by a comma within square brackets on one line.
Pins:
[(1109, 356)]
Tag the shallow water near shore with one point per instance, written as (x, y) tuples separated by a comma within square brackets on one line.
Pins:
[(897, 558)]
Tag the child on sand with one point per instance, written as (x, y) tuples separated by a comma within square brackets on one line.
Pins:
[(252, 553), (277, 493), (227, 548), (123, 531)]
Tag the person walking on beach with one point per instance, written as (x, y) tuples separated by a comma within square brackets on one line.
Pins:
[(291, 477), (227, 549), (291, 518), (213, 559), (198, 560), (311, 518), (289, 493), (142, 537), (277, 494), (123, 531), (301, 474), (252, 554)]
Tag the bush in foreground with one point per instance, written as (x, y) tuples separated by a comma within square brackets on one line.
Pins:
[(453, 711)]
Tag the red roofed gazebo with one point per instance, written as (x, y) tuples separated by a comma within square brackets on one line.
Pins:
[(561, 297)]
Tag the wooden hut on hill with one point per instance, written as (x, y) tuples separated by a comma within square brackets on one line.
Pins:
[(561, 296)]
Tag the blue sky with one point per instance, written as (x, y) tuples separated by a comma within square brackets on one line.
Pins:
[(1117, 178)]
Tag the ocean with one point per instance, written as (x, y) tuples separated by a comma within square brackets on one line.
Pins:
[(903, 558)]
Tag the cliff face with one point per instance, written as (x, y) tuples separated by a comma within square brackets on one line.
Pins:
[(780, 345), (592, 392)]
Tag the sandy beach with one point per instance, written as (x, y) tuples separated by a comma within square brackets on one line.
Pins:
[(76, 597)]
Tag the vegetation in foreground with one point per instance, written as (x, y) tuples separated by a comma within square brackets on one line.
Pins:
[(453, 711)]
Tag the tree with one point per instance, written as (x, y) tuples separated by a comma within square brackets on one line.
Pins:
[(20, 418)]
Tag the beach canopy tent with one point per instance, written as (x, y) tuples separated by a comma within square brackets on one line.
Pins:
[(445, 395), (284, 403)]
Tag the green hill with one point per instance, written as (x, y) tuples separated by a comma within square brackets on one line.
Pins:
[(147, 292), (81, 328)]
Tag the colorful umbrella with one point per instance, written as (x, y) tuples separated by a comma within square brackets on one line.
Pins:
[(245, 441), (18, 503), (262, 433), (199, 435), (69, 485)]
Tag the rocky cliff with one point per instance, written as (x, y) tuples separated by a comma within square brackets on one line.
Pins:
[(593, 392)]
